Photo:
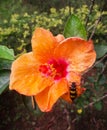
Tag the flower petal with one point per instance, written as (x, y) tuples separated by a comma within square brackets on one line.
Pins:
[(74, 77), (79, 53), (43, 44), (66, 97), (47, 98), (57, 90), (42, 99), (59, 38), (25, 78)]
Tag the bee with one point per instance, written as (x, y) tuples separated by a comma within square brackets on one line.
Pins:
[(73, 91)]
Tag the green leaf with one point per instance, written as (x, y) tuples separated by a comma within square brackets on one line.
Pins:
[(74, 28), (102, 79), (6, 53), (5, 64), (91, 79), (4, 80), (100, 50), (98, 105)]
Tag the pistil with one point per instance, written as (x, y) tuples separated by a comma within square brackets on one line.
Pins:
[(56, 69)]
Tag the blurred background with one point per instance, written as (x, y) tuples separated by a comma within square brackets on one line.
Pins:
[(18, 19)]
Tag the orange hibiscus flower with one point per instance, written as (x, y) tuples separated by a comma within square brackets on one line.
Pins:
[(49, 70)]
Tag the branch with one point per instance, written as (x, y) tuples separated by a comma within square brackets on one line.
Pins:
[(96, 63), (94, 29), (96, 23), (69, 4), (68, 119), (90, 104), (90, 11)]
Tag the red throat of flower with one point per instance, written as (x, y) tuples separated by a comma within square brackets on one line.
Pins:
[(56, 69)]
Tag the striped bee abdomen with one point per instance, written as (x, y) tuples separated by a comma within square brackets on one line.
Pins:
[(73, 92)]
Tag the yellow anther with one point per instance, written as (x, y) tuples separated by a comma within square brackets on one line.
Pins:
[(52, 70)]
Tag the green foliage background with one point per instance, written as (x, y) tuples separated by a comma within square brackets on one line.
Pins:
[(18, 24)]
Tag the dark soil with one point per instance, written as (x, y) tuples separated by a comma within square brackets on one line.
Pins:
[(15, 116)]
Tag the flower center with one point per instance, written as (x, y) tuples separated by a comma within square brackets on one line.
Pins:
[(56, 69)]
